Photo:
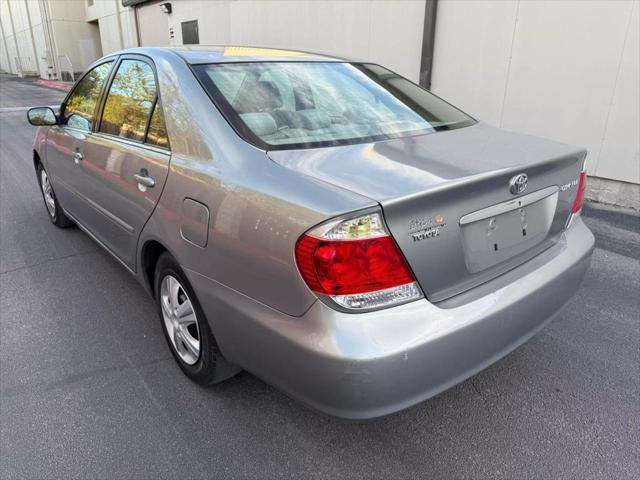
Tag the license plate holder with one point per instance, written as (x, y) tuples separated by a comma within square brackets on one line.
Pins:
[(497, 233)]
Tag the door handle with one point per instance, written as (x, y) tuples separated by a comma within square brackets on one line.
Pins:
[(77, 157), (143, 178)]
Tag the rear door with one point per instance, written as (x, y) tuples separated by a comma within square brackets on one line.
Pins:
[(126, 160), (65, 141)]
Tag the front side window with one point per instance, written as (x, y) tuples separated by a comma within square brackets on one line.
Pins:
[(130, 101), (282, 105), (80, 109)]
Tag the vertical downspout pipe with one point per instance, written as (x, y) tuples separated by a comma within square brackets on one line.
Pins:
[(53, 46), (119, 21), (135, 19), (428, 41)]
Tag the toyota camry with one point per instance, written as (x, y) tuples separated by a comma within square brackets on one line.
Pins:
[(325, 224)]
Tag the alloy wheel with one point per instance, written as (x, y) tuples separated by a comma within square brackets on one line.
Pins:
[(180, 320), (47, 191)]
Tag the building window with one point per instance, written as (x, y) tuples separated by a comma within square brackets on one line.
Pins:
[(90, 3), (190, 33)]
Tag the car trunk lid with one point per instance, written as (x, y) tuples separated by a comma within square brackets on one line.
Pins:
[(447, 198)]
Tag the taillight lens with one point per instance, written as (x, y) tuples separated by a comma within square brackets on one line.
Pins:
[(356, 263), (582, 187)]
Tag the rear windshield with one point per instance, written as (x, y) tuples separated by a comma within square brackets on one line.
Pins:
[(285, 105)]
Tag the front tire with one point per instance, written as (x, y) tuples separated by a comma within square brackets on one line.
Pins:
[(185, 326), (56, 214)]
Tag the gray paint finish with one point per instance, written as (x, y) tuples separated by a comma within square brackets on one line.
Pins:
[(264, 316), (364, 366), (451, 174), (395, 169), (194, 222)]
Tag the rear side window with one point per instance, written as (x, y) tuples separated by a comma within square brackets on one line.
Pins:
[(80, 109), (130, 101), (157, 133)]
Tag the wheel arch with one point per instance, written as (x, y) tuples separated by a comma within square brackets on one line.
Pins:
[(149, 255), (36, 160)]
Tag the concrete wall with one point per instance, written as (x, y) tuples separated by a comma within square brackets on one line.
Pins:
[(62, 33), (19, 51), (384, 31), (116, 24), (153, 25), (566, 70), (74, 37)]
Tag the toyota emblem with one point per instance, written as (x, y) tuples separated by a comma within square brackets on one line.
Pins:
[(518, 184)]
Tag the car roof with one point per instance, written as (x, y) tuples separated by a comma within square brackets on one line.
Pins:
[(197, 54)]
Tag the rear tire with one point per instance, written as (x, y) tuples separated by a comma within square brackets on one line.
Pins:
[(185, 326), (55, 211)]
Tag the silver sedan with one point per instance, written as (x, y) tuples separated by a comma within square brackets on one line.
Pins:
[(325, 224)]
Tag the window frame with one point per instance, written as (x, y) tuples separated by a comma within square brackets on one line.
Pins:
[(146, 131), (103, 101), (97, 108)]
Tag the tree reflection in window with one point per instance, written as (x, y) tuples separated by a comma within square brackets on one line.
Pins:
[(157, 134), (130, 100), (80, 109)]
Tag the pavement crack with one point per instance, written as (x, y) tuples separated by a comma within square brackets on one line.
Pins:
[(49, 260), (473, 384)]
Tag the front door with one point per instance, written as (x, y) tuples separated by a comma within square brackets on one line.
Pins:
[(66, 140), (126, 160)]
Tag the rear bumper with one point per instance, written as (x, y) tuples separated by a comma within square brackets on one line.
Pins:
[(360, 366)]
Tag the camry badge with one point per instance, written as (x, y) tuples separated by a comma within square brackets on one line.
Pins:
[(426, 227), (518, 184)]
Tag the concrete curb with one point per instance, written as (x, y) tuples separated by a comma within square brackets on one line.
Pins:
[(55, 84), (613, 192)]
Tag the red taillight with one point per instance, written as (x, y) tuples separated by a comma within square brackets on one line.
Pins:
[(355, 264), (582, 187), (344, 267)]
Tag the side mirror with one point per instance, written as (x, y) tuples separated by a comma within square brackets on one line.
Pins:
[(41, 116)]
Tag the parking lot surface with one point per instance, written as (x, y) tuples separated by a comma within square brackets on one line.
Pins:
[(88, 387)]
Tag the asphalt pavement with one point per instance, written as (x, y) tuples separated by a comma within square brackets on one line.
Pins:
[(88, 388)]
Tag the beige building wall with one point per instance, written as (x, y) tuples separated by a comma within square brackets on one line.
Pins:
[(19, 20), (566, 70), (77, 42), (49, 36), (383, 31), (153, 25), (116, 24), (44, 36)]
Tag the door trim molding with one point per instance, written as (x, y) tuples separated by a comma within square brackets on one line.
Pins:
[(99, 242), (110, 216)]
